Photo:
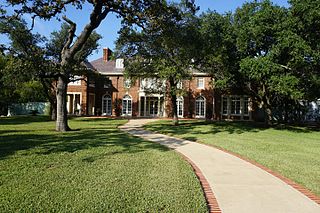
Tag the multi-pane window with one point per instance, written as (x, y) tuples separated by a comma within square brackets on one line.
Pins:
[(200, 83), (75, 80), (180, 106), (127, 83), (225, 105), (246, 105), (119, 63), (106, 105), (235, 105), (200, 107), (127, 105)]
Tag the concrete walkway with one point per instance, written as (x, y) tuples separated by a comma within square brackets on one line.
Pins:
[(237, 185)]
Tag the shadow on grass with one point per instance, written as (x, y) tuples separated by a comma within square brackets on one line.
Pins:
[(23, 119), (215, 127), (44, 144)]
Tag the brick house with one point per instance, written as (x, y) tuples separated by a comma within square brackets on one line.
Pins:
[(110, 94)]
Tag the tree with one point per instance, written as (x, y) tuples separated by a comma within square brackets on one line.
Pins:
[(131, 11), (164, 49), (304, 21), (218, 51), (272, 58)]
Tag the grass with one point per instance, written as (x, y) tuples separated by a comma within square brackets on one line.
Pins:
[(96, 168), (293, 152)]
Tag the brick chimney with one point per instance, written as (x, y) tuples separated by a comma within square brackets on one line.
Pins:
[(106, 54)]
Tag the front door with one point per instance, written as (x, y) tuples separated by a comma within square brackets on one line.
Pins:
[(153, 107)]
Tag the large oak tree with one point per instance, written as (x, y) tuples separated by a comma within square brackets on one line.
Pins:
[(131, 12)]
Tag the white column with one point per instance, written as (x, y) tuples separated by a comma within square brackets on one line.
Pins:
[(241, 107), (159, 106), (139, 106)]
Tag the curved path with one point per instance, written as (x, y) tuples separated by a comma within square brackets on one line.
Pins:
[(238, 185)]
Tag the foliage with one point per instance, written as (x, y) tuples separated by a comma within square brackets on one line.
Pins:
[(218, 52), (97, 168), (162, 48)]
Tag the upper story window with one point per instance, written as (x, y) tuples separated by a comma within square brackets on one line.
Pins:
[(119, 63), (200, 83), (127, 83), (107, 83), (152, 84), (179, 85), (75, 80)]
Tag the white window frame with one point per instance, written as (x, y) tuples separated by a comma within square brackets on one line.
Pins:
[(179, 85), (73, 82), (224, 98), (127, 83), (235, 100), (125, 105), (108, 99), (200, 82), (203, 99), (181, 100), (119, 63), (246, 99)]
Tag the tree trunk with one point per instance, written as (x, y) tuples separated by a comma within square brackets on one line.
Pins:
[(268, 110), (62, 119), (173, 89), (53, 110), (175, 120)]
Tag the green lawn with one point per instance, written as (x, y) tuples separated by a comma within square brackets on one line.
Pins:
[(96, 168), (293, 152)]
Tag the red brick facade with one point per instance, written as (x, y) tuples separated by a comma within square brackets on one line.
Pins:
[(110, 94)]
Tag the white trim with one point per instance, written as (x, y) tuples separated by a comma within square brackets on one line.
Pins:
[(180, 98), (123, 99), (229, 105), (103, 98), (203, 82), (74, 93), (204, 106)]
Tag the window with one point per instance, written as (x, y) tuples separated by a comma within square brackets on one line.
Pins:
[(200, 83), (235, 106), (224, 105), (200, 107), (75, 80), (246, 106), (179, 85), (180, 107), (127, 105), (106, 105), (127, 83), (119, 63)]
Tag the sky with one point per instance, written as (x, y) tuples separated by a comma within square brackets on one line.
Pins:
[(111, 25)]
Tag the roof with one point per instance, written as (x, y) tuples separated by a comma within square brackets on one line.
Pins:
[(106, 67), (109, 68)]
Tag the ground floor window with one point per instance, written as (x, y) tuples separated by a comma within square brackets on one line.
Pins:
[(200, 107), (180, 107), (235, 105), (127, 105), (106, 105)]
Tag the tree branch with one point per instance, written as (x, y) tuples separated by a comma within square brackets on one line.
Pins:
[(71, 34), (96, 17)]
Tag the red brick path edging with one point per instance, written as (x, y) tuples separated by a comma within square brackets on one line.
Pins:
[(291, 183), (212, 202)]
